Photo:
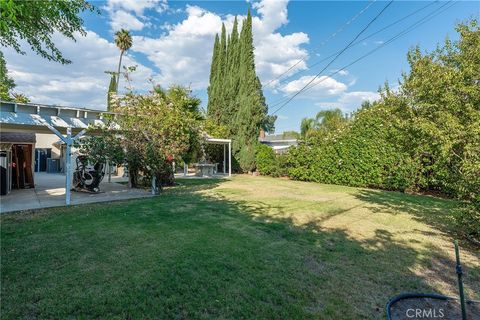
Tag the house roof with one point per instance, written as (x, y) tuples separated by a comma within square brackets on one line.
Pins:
[(17, 137)]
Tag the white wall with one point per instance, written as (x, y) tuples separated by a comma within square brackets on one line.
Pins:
[(47, 141)]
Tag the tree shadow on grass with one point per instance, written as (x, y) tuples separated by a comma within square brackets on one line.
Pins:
[(187, 254), (436, 212)]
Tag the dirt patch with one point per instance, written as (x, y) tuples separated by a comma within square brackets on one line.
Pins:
[(429, 308)]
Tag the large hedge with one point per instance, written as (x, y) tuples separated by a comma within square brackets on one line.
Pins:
[(423, 137), (361, 154)]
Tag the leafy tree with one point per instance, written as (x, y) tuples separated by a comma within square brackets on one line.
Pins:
[(123, 40), (7, 85), (37, 21), (156, 129), (324, 121), (103, 146), (329, 120)]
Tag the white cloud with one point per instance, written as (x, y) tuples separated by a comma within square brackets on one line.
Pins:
[(321, 87), (349, 101), (183, 54), (82, 83), (357, 97), (129, 14), (124, 20), (137, 6)]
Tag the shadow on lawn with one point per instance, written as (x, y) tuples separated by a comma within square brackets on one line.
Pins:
[(337, 276), (436, 212), (188, 254)]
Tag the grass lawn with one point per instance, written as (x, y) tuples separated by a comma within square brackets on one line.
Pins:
[(251, 247)]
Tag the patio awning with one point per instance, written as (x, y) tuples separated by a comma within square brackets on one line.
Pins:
[(26, 117)]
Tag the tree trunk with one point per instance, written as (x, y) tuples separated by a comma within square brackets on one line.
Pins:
[(118, 70)]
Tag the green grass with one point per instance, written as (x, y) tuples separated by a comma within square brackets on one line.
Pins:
[(252, 247)]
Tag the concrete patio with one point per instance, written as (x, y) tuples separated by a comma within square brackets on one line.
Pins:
[(49, 192)]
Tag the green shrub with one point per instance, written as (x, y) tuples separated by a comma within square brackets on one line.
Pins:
[(266, 160), (360, 154), (468, 220)]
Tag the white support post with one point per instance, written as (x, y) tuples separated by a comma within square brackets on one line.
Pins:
[(109, 170), (68, 177), (185, 169), (229, 159), (224, 158), (154, 186)]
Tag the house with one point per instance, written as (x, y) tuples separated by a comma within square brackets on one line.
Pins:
[(277, 142)]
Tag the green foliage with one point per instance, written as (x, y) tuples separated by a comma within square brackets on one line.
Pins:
[(424, 137), (235, 97), (112, 89), (157, 128), (325, 120), (266, 160), (7, 85), (291, 135), (102, 146), (359, 154), (468, 220), (37, 21)]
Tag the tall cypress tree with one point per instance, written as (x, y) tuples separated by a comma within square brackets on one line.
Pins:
[(112, 88), (231, 86), (252, 109), (212, 107), (235, 93), (222, 75)]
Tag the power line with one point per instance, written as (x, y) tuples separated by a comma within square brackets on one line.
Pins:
[(339, 30), (341, 51), (420, 22), (363, 39), (280, 101)]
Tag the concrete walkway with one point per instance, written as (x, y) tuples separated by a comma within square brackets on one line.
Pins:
[(50, 192)]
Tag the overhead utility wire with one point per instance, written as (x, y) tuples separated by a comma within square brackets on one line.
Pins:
[(278, 102), (363, 39), (402, 33), (423, 20), (325, 41), (338, 55)]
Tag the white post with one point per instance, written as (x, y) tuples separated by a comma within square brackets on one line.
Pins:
[(154, 185), (224, 158), (230, 159), (109, 171), (185, 169), (68, 177)]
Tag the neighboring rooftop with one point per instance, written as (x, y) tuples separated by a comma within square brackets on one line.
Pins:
[(277, 137)]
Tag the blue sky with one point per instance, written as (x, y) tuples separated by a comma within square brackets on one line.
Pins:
[(173, 41)]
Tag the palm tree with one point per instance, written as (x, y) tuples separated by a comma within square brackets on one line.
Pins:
[(306, 127), (123, 40), (330, 119)]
